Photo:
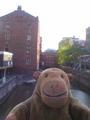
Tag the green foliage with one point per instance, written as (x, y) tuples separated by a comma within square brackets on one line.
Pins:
[(68, 53), (66, 42), (51, 51)]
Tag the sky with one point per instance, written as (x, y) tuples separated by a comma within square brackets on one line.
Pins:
[(58, 18)]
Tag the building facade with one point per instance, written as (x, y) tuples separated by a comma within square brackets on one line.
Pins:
[(19, 34), (48, 60), (88, 39)]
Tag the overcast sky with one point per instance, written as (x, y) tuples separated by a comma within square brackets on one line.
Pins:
[(58, 18)]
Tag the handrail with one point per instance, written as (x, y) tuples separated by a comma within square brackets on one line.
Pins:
[(9, 85)]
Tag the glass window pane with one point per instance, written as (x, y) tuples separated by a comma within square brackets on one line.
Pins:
[(29, 37), (28, 49), (28, 61), (7, 36), (7, 26), (29, 26), (6, 48)]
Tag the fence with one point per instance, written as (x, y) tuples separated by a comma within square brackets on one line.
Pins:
[(80, 76), (6, 88)]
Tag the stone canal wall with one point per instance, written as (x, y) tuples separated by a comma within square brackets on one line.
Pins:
[(11, 84), (80, 76)]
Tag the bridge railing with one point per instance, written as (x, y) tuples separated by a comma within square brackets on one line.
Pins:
[(8, 86), (80, 76)]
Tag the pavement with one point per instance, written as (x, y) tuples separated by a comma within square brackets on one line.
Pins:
[(11, 75)]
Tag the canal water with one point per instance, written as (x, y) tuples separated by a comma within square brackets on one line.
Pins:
[(22, 92)]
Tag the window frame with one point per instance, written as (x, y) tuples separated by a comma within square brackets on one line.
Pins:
[(7, 26), (28, 61), (46, 62), (49, 62), (52, 57), (28, 49), (46, 57), (7, 36), (29, 26), (6, 48), (49, 57), (28, 37)]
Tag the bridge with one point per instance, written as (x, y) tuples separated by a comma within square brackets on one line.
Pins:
[(12, 90)]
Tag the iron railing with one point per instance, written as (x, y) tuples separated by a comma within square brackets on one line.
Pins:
[(10, 84)]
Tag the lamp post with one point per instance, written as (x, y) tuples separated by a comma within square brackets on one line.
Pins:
[(4, 78)]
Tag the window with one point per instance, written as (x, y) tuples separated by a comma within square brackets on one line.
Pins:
[(29, 26), (52, 62), (28, 61), (52, 57), (89, 33), (46, 62), (6, 48), (7, 26), (49, 62), (29, 37), (49, 57), (28, 49), (46, 57), (42, 63), (7, 36), (88, 40)]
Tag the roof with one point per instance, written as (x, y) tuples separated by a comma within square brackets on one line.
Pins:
[(7, 53), (17, 13), (48, 53)]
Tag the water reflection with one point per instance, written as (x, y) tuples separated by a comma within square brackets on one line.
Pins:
[(20, 94), (77, 86), (81, 92)]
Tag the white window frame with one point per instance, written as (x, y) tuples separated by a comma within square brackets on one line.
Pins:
[(28, 61), (7, 36), (29, 37), (7, 26), (28, 49)]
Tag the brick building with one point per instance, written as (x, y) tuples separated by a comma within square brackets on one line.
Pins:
[(19, 34), (47, 60), (88, 39)]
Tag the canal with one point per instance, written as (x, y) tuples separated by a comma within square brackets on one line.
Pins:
[(22, 92)]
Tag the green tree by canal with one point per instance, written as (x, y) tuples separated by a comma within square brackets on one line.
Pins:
[(69, 52)]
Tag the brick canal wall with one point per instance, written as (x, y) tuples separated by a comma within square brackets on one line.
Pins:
[(10, 85), (80, 76)]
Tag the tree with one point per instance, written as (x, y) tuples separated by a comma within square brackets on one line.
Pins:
[(66, 41), (69, 53)]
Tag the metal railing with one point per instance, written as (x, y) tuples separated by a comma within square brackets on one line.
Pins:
[(9, 85)]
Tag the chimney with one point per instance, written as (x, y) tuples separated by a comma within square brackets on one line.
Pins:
[(19, 8)]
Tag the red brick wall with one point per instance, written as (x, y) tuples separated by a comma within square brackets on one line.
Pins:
[(43, 59), (18, 21)]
